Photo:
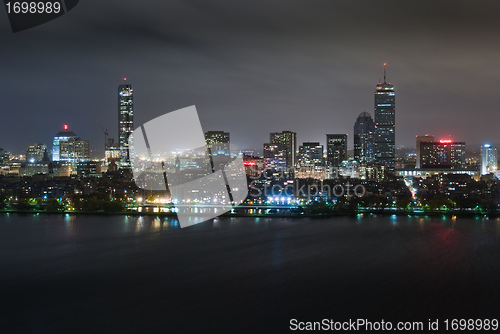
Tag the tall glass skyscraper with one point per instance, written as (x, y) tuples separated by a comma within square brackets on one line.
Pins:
[(385, 123), (489, 159), (364, 132), (336, 149), (125, 121), (288, 140)]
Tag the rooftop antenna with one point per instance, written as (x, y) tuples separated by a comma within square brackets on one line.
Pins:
[(385, 64)]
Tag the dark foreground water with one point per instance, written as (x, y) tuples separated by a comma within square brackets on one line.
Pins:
[(117, 274)]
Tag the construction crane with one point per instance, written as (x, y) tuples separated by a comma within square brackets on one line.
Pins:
[(105, 135)]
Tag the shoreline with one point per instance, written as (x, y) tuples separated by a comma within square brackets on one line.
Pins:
[(268, 215)]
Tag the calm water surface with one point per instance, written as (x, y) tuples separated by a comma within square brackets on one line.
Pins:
[(118, 274)]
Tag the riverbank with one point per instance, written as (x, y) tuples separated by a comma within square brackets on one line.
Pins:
[(286, 214)]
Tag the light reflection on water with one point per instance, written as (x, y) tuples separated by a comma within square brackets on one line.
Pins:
[(367, 265)]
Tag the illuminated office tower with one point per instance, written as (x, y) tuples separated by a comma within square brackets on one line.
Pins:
[(364, 131), (336, 149), (420, 140), (68, 147), (112, 152), (489, 159), (36, 152), (310, 154), (125, 121), (287, 141), (442, 154), (275, 156), (217, 142), (385, 123)]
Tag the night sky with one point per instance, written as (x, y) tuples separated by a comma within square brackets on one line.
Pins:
[(254, 67)]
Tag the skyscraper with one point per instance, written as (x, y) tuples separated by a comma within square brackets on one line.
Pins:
[(217, 142), (275, 156), (68, 147), (217, 149), (288, 140), (364, 132), (385, 123), (489, 159), (36, 152), (336, 149), (442, 154), (125, 121), (420, 140), (310, 154)]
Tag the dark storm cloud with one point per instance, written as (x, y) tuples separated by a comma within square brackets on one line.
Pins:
[(252, 67)]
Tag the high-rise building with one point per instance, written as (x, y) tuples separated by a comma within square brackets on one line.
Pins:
[(275, 156), (217, 142), (288, 140), (125, 121), (442, 154), (489, 159), (68, 147), (310, 154), (336, 149), (217, 149), (385, 123), (364, 132), (420, 140), (36, 152), (112, 152)]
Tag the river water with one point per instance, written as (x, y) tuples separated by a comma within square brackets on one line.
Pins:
[(131, 274)]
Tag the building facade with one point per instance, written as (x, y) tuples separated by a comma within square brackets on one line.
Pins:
[(36, 152), (68, 147), (442, 154), (217, 142), (275, 156), (125, 122), (489, 159), (287, 140), (336, 149), (420, 140), (385, 123), (310, 154), (364, 138)]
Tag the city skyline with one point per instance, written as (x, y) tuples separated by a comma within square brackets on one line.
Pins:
[(309, 69)]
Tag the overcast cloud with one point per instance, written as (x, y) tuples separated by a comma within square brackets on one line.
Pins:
[(254, 67)]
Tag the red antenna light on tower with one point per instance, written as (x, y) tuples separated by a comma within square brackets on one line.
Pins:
[(65, 127)]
